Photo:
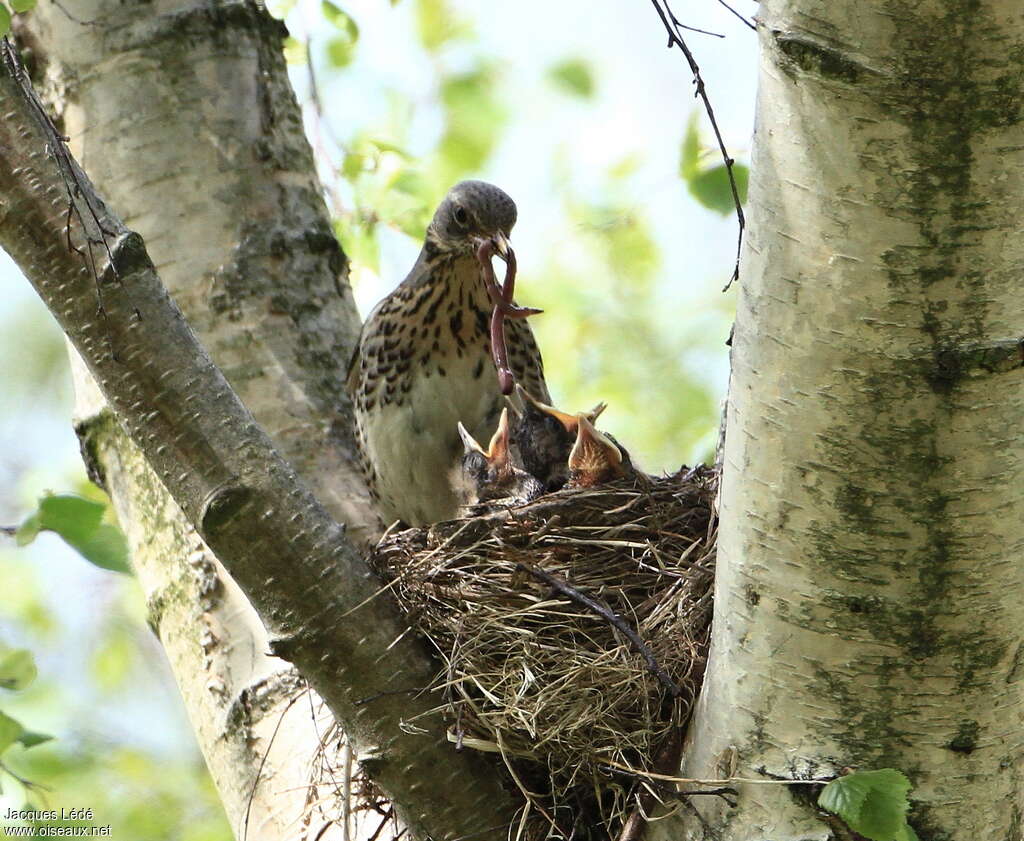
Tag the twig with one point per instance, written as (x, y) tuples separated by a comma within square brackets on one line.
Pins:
[(10, 531), (606, 613), (725, 792), (28, 784), (675, 39), (323, 830), (741, 17), (701, 31), (322, 127), (72, 18), (57, 146), (378, 830), (263, 761), (322, 748), (360, 701), (346, 804), (727, 781)]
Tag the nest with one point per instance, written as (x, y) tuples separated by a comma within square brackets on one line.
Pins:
[(573, 632)]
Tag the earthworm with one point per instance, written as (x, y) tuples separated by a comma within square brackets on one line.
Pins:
[(501, 297)]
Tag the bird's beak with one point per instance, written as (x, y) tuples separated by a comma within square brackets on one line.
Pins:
[(501, 245), (469, 443), (595, 413), (592, 448), (570, 422), (497, 450)]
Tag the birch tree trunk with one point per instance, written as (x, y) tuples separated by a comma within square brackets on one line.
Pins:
[(182, 127), (870, 593), (185, 118)]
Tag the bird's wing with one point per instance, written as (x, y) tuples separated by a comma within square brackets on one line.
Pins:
[(352, 375), (353, 371), (527, 364)]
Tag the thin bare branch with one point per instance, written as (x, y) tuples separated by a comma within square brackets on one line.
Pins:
[(745, 20), (675, 39)]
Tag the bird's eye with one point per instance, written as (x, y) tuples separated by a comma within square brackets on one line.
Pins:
[(461, 217)]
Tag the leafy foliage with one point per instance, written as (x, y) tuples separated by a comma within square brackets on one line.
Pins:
[(573, 76), (872, 803), (709, 184), (18, 6), (341, 48), (17, 672), (79, 522), (437, 25), (17, 668)]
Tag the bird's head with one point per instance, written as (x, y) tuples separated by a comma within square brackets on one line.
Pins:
[(594, 458), (545, 436), (493, 465), (472, 213)]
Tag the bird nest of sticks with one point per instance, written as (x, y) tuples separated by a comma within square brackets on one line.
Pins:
[(573, 632)]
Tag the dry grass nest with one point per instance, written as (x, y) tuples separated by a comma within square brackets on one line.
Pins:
[(541, 613)]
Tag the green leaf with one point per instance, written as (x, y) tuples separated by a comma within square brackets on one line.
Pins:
[(872, 803), (17, 668), (352, 165), (436, 24), (573, 76), (907, 834), (10, 731), (388, 146), (73, 517), (340, 49), (5, 20), (295, 51), (280, 8), (80, 522), (338, 17), (689, 156), (106, 548), (473, 121), (28, 530), (713, 190), (23, 5), (359, 240), (30, 739)]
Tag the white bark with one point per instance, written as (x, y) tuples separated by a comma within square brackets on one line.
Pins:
[(314, 592), (870, 594), (167, 123)]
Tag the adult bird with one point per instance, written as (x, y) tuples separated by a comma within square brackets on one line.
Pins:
[(424, 360)]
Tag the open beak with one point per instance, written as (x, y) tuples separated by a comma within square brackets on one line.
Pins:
[(592, 449), (501, 245), (469, 443), (570, 422)]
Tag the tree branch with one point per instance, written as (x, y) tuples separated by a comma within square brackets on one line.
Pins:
[(675, 39), (288, 555)]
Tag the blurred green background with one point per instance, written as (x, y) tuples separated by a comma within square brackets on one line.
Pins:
[(625, 238)]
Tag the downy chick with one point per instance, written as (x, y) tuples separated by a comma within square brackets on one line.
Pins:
[(544, 436), (485, 475)]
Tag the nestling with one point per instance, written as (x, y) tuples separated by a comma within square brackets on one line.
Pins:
[(485, 475), (544, 437), (595, 458)]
